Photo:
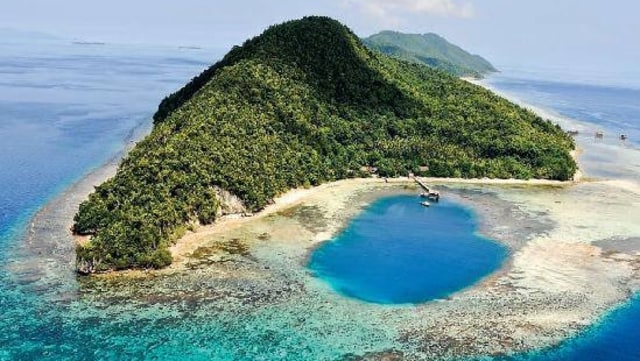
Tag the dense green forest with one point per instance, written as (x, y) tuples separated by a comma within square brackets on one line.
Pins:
[(432, 50), (304, 103)]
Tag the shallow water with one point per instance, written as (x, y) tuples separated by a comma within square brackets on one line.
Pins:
[(614, 109), (398, 251), (64, 110), (614, 338)]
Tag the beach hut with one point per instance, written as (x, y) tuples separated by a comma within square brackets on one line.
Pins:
[(369, 169)]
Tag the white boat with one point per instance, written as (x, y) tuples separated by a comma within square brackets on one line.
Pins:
[(425, 204)]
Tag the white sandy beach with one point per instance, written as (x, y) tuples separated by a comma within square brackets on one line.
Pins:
[(333, 192)]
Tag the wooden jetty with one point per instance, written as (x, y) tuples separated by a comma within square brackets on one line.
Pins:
[(430, 194), (422, 184)]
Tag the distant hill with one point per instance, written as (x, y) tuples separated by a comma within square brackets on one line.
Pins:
[(302, 104), (432, 50)]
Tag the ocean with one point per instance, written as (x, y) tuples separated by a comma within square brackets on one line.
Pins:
[(66, 109)]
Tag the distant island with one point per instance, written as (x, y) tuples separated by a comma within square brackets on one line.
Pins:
[(88, 43), (302, 104), (431, 50)]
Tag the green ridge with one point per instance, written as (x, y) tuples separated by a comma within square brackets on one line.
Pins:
[(302, 104), (432, 50)]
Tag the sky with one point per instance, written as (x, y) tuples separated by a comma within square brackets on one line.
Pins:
[(584, 34)]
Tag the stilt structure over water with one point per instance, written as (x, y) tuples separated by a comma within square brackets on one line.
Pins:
[(429, 193), (598, 135)]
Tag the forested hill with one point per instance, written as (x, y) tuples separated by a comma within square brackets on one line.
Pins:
[(432, 50), (304, 103)]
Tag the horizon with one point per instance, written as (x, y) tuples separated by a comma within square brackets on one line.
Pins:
[(544, 33)]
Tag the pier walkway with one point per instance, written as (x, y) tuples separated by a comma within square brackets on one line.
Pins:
[(431, 194)]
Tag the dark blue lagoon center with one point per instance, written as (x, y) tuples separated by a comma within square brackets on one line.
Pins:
[(399, 252)]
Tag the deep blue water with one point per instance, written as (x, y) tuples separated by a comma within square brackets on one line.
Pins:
[(616, 337), (398, 251)]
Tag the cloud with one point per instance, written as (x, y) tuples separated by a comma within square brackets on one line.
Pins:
[(392, 11)]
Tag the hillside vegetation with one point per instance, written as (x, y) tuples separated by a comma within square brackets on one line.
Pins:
[(302, 104), (431, 50)]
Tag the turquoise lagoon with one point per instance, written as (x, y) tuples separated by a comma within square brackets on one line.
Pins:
[(398, 251)]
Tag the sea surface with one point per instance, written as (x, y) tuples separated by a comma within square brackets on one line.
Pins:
[(595, 103), (609, 105), (66, 109), (398, 252), (612, 109)]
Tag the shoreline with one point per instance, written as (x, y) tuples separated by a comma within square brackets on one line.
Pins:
[(596, 162), (294, 197), (297, 196), (555, 282), (46, 253)]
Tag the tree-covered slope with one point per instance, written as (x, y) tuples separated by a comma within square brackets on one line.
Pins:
[(430, 49), (301, 104)]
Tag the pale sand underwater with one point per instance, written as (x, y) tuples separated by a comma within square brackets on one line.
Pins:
[(574, 256)]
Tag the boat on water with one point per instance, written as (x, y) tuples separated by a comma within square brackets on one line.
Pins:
[(425, 204)]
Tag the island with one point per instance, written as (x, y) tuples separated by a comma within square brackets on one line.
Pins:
[(302, 104), (432, 50)]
